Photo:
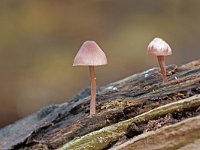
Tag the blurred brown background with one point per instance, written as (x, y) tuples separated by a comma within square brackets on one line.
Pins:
[(39, 39)]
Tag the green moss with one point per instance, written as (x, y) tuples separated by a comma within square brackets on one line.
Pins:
[(98, 140)]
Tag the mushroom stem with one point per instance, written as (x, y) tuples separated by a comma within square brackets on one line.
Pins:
[(161, 62), (93, 91)]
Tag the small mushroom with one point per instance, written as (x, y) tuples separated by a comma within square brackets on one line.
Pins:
[(160, 48), (90, 54)]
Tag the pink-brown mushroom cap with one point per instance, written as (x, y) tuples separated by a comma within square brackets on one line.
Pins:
[(158, 47), (90, 54)]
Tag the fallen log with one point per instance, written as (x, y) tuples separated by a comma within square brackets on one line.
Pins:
[(55, 125)]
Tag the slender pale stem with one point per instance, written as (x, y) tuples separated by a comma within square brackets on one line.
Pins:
[(93, 91), (161, 62)]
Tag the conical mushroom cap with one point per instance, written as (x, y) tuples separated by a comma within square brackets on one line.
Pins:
[(90, 54), (158, 47)]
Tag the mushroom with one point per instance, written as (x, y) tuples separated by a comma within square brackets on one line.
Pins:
[(90, 54), (158, 47)]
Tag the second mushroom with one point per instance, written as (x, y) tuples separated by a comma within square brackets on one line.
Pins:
[(158, 47), (90, 54)]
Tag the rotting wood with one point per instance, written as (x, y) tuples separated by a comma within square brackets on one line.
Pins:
[(183, 136), (101, 139), (56, 125)]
